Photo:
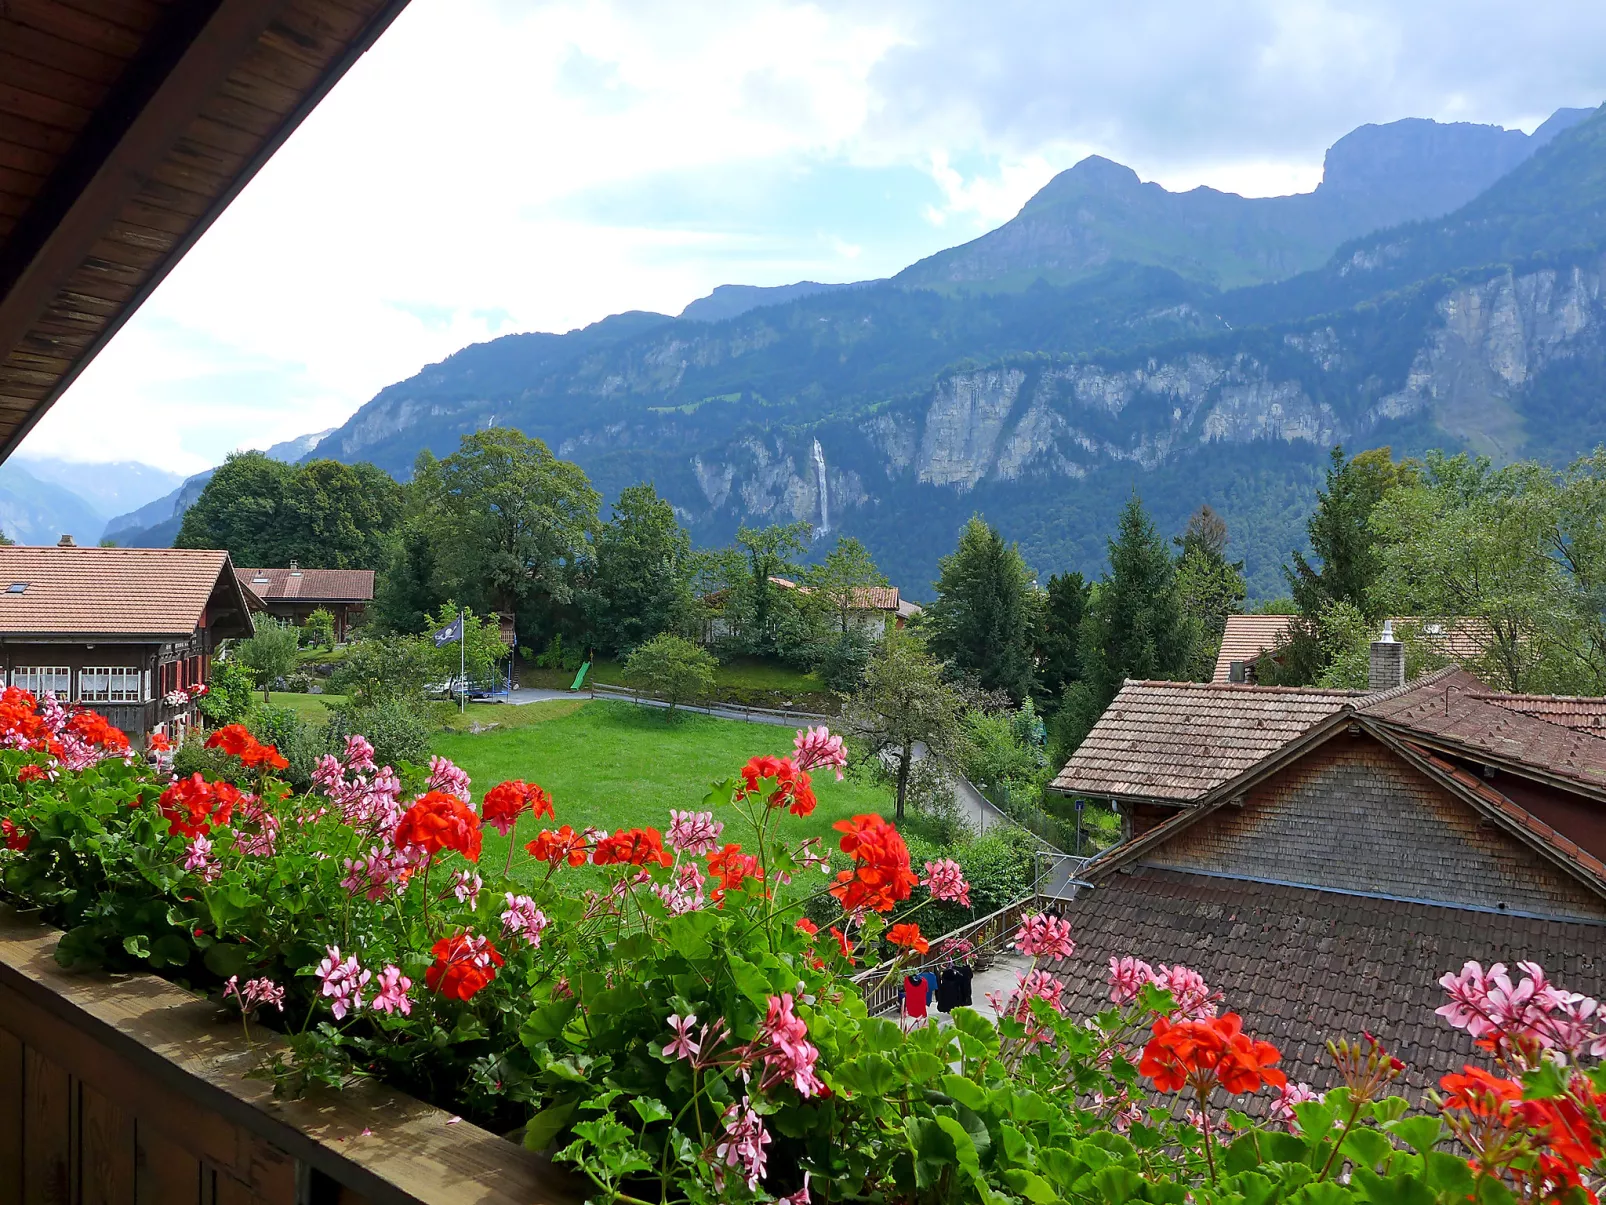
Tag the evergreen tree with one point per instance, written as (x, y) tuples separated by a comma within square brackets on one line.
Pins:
[(1134, 626), (1059, 659), (983, 618), (641, 581), (1341, 535), (1210, 586)]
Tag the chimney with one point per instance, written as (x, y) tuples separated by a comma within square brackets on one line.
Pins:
[(1386, 668), (295, 569), (65, 542)]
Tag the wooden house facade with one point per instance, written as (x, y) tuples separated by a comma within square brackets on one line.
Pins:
[(1324, 857), (127, 632)]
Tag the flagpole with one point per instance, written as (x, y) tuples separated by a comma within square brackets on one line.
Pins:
[(462, 663)]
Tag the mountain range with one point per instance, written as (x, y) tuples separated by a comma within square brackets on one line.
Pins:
[(1444, 285)]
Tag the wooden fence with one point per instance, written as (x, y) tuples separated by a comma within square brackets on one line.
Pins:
[(127, 1090)]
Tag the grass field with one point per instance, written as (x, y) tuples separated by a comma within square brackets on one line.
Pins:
[(309, 707), (740, 674), (615, 765)]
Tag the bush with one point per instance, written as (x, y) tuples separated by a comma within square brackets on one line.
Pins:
[(229, 692), (671, 667), (300, 741), (398, 729), (842, 662), (271, 653), (386, 668), (319, 630)]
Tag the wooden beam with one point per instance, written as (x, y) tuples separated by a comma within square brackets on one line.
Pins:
[(129, 159), (162, 91)]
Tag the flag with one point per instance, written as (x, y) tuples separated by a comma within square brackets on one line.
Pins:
[(452, 631)]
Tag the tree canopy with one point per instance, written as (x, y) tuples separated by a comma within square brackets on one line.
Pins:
[(983, 618), (640, 583)]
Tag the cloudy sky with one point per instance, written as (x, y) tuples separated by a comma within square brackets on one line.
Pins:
[(505, 165)]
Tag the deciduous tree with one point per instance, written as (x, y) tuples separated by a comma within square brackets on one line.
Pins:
[(671, 667), (640, 583)]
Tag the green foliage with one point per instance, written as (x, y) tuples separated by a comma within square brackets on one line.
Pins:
[(640, 584), (761, 604), (267, 513), (301, 742), (1341, 534), (399, 728), (841, 662), (672, 668), (984, 615), (508, 523), (384, 668), (272, 652), (229, 688), (1134, 627), (319, 630), (1059, 630), (1209, 586), (411, 587), (904, 701), (847, 570)]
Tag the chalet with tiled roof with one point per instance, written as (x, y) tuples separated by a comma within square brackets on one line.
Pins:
[(1248, 638), (293, 594), (125, 631), (1322, 857)]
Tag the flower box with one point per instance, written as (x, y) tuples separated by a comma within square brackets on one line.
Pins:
[(129, 1089)]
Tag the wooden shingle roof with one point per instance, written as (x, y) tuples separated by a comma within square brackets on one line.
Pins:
[(1303, 965), (1177, 741), (314, 585), (1246, 637), (126, 128), (151, 592)]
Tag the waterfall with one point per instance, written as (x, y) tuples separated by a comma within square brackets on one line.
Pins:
[(819, 477)]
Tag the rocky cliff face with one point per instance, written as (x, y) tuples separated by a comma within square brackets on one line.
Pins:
[(1482, 345)]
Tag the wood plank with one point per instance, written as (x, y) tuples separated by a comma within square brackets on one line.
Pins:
[(216, 136), (36, 136), (11, 1115), (25, 158), (44, 109), (75, 25), (106, 1165), (244, 116), (164, 1172), (47, 1132), (20, 183), (49, 80), (62, 54), (140, 15), (413, 1156)]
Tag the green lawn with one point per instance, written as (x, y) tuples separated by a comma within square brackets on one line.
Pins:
[(309, 707), (615, 765), (742, 673)]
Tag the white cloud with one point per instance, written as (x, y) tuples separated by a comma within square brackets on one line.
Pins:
[(446, 191)]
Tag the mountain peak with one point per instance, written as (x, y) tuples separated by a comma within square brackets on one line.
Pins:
[(1093, 175)]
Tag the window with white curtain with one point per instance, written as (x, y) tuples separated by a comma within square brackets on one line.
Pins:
[(36, 679), (109, 684)]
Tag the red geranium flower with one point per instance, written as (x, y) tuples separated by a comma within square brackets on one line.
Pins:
[(236, 740), (731, 868), (15, 838), (94, 728), (191, 806), (158, 743), (506, 801), (882, 877), (32, 772), (632, 846), (843, 944), (807, 926), (463, 965), (555, 847), (1206, 1052), (440, 821), (908, 936), (792, 790)]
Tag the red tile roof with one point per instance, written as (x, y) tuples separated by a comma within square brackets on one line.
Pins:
[(314, 585), (1303, 965), (159, 592), (864, 598), (1177, 741), (1570, 711), (1246, 637)]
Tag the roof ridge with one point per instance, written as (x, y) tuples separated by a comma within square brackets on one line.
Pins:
[(1405, 688), (1246, 687), (1493, 696)]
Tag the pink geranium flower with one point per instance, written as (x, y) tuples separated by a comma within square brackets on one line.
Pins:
[(693, 833), (1044, 936), (946, 881), (682, 1045), (817, 748), (390, 992), (342, 981)]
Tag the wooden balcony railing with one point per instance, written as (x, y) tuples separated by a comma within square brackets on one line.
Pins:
[(127, 1089)]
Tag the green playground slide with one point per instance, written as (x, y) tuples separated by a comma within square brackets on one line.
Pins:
[(579, 678)]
